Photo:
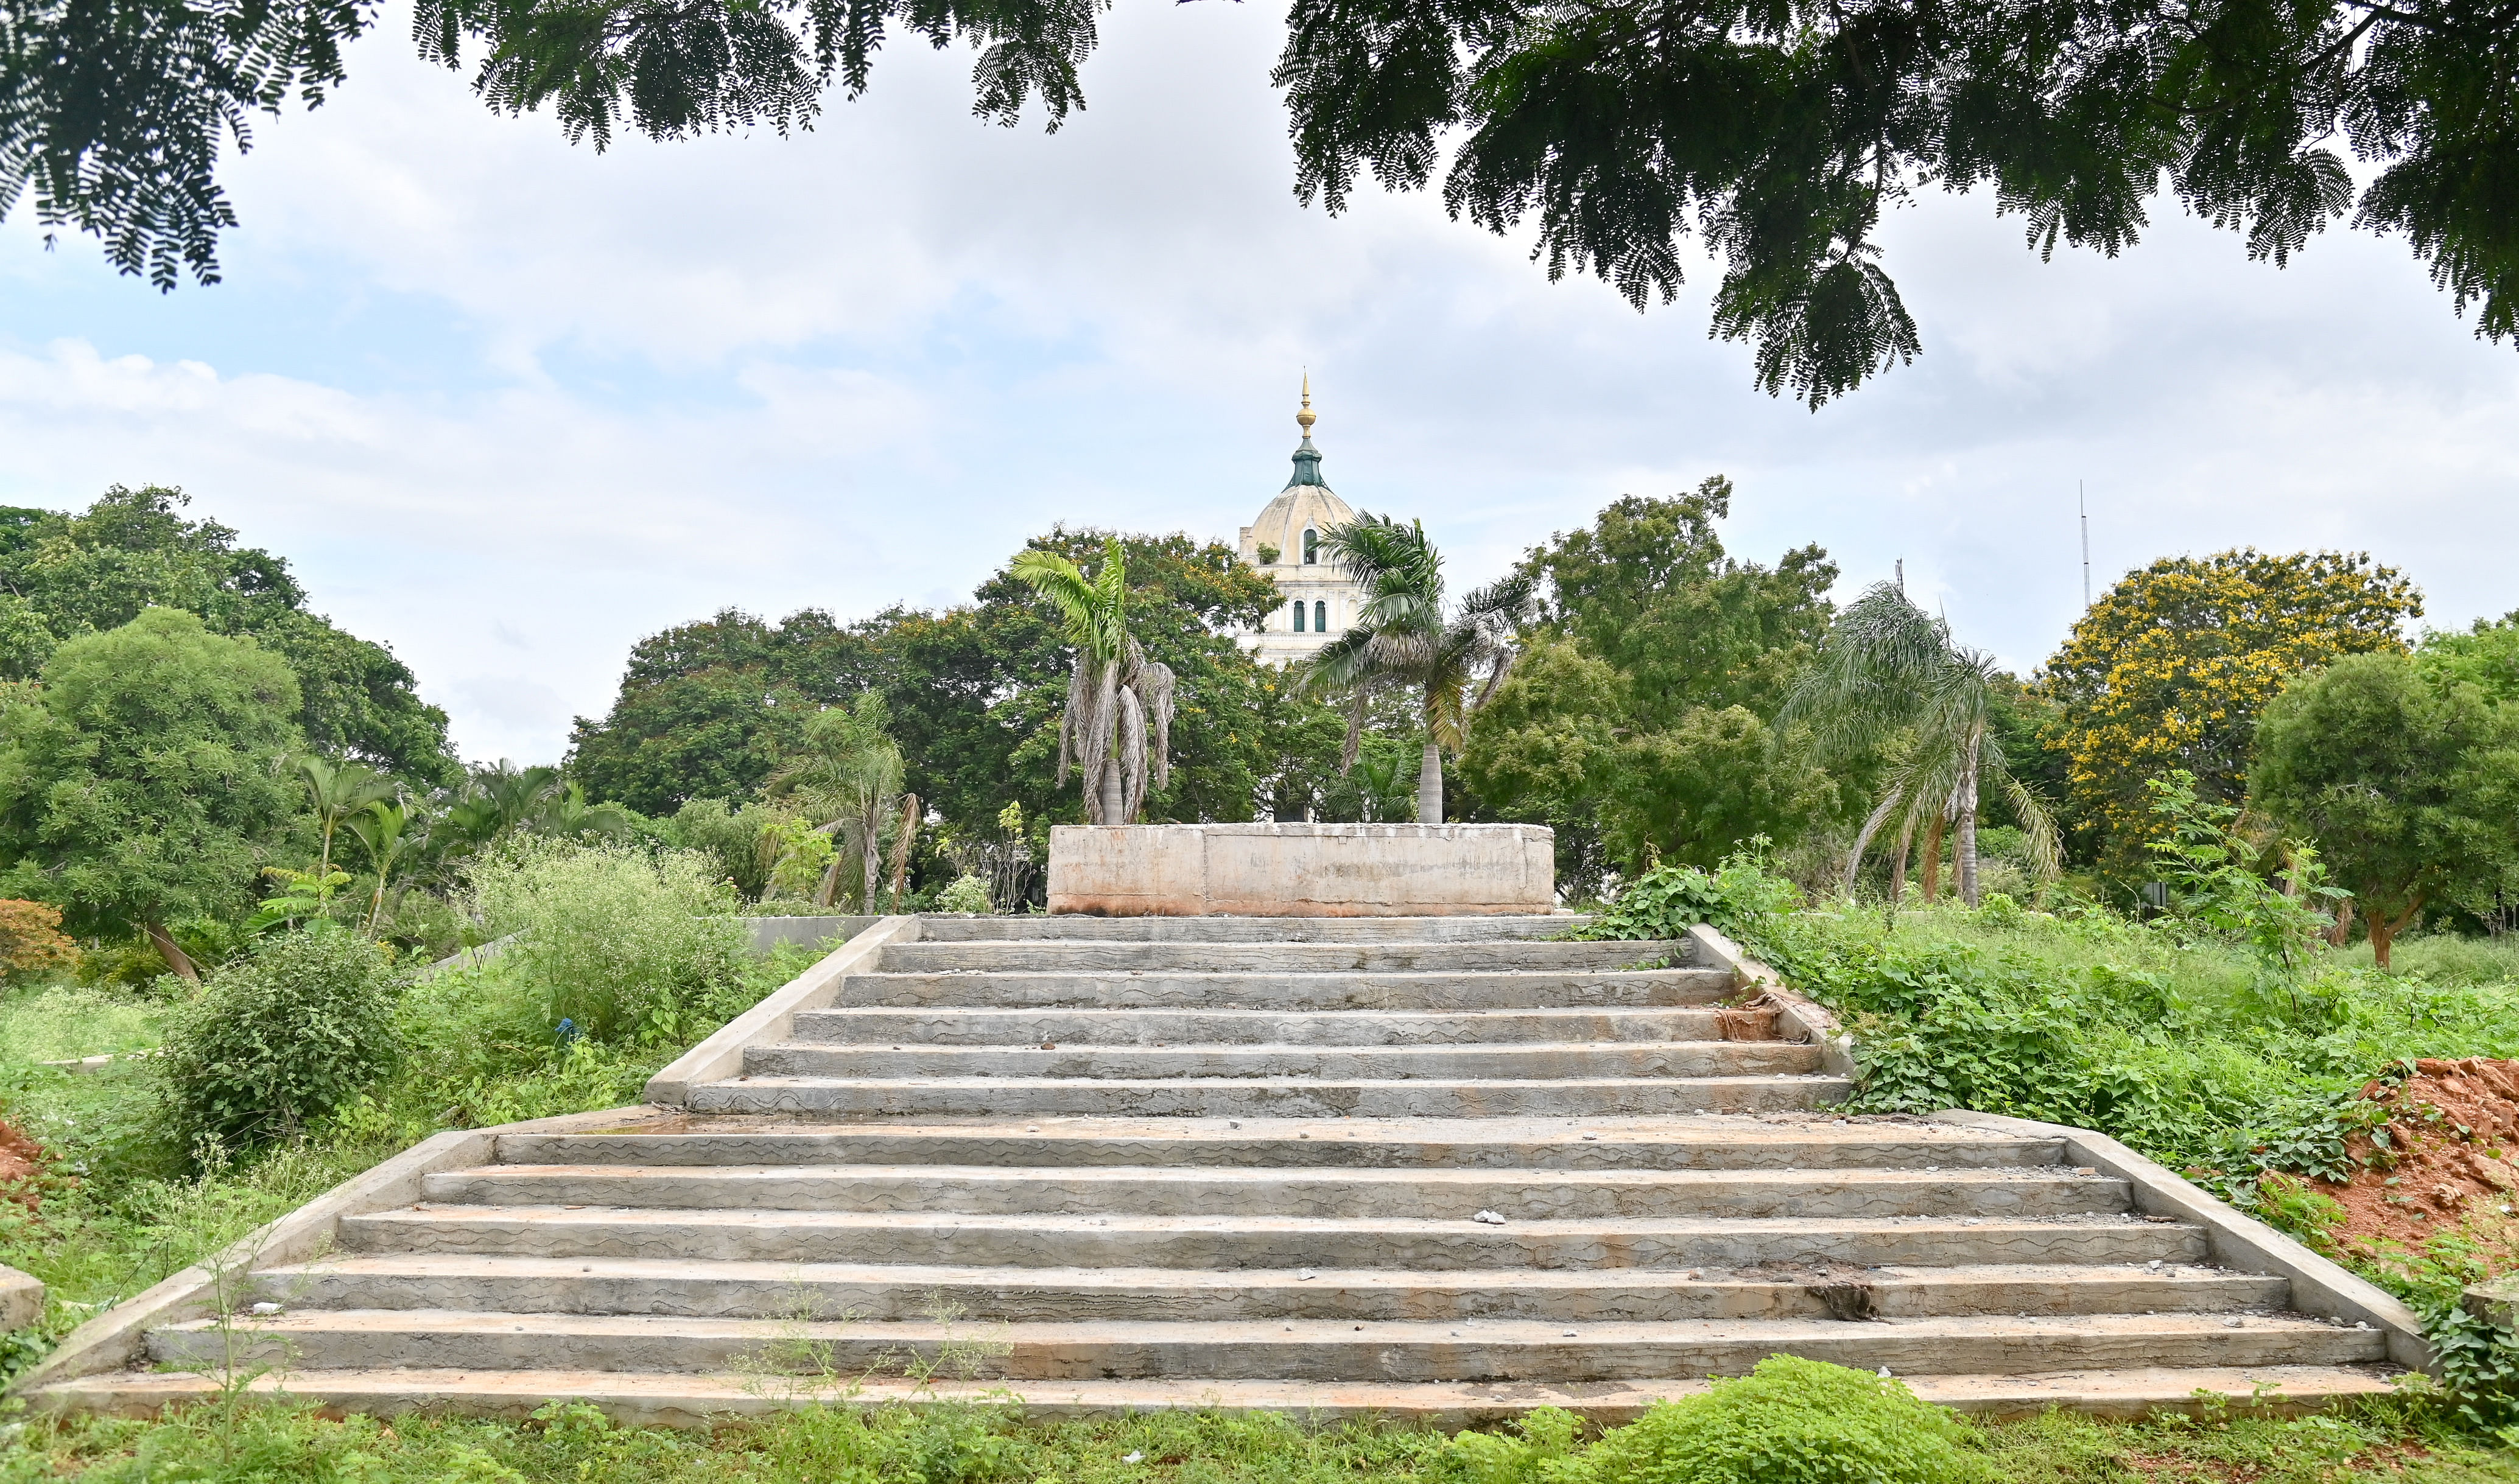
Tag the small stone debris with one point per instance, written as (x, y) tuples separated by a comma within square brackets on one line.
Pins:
[(2154, 1264), (1049, 1045), (265, 1309), (1305, 1276), (1233, 1122), (1569, 1334), (1489, 1217), (2235, 1323), (1034, 1129), (1591, 1138)]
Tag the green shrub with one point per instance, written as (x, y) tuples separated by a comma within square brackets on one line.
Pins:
[(1790, 1421), (623, 944), (1736, 898), (280, 1040), (967, 893)]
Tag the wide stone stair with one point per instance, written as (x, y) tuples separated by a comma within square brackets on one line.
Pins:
[(1439, 1168)]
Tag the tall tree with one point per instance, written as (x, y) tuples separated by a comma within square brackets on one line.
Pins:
[(2408, 786), (847, 775), (708, 710), (1636, 723), (1403, 640), (338, 791), (2172, 667), (1117, 725), (1890, 679), (1778, 136), (66, 575), (147, 779)]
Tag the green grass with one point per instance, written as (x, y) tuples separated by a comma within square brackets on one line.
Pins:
[(123, 1208), (947, 1443), (61, 1021), (2445, 959)]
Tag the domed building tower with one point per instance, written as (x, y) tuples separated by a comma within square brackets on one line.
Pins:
[(1285, 541)]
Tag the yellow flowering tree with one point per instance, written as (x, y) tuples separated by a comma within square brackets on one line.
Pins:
[(2172, 667)]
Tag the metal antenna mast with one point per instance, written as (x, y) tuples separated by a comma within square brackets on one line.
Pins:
[(2083, 500)]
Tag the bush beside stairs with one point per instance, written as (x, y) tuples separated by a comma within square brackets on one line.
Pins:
[(1434, 1170)]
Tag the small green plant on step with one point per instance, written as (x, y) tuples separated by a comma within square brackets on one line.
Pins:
[(967, 893), (1790, 1421)]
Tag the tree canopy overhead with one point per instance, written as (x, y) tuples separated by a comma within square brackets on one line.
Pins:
[(1772, 136)]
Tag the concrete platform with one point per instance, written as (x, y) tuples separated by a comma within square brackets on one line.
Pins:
[(1303, 870)]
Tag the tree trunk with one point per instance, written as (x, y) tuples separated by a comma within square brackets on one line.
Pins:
[(871, 829), (1898, 873), (2342, 933), (830, 884), (175, 957), (1429, 785), (2383, 933), (901, 847), (1966, 852), (1111, 793), (1933, 861)]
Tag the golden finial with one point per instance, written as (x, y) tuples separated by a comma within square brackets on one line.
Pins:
[(1306, 417)]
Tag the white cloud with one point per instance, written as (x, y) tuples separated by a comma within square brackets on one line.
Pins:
[(483, 387)]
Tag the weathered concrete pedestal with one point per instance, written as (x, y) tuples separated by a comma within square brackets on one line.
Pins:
[(1303, 870)]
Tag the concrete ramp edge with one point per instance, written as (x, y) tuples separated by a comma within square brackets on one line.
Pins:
[(721, 1055), (113, 1340), (2239, 1242)]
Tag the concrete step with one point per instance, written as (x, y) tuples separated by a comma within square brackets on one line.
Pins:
[(1716, 1142), (672, 1399), (1245, 1028), (1501, 989), (879, 1292), (1278, 957), (1333, 1063), (1499, 1350), (1231, 1097), (1245, 930), (1448, 1244), (1160, 1191)]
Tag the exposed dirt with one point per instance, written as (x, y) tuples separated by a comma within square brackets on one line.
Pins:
[(2450, 1161), (22, 1162)]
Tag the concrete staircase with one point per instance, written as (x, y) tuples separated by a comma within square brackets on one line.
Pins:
[(1436, 1168)]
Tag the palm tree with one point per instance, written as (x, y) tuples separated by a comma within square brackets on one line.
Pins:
[(1888, 680), (1402, 641), (387, 831), (848, 776), (339, 790), (1119, 719)]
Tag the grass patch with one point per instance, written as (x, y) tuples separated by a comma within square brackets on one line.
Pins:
[(963, 1443), (63, 1021), (123, 1206)]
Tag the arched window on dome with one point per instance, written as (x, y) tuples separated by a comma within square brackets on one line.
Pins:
[(1320, 618), (1311, 545), (1298, 615)]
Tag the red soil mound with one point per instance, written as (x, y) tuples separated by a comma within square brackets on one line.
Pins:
[(22, 1160), (2448, 1161)]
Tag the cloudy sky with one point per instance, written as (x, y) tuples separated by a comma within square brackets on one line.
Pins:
[(509, 405)]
